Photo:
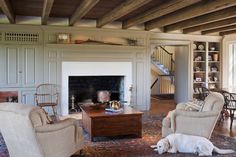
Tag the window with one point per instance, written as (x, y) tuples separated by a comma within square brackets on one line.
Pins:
[(232, 64)]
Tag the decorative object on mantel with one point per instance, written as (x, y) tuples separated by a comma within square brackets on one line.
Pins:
[(63, 38), (132, 42), (95, 42), (108, 41), (80, 41)]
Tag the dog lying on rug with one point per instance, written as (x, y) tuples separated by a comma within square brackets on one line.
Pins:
[(174, 143)]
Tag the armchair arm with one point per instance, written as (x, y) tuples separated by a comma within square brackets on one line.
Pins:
[(57, 126), (61, 139), (194, 114), (181, 106)]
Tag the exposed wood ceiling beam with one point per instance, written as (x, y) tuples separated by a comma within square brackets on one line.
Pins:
[(7, 10), (227, 28), (215, 16), (160, 10), (198, 9), (123, 9), (82, 10), (47, 6), (228, 32), (211, 25)]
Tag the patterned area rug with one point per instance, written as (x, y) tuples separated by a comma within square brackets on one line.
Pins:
[(3, 147), (128, 146), (140, 147)]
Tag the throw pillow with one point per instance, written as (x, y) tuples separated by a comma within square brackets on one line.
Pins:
[(195, 105)]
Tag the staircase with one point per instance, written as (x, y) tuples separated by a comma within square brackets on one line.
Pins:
[(163, 63), (163, 60)]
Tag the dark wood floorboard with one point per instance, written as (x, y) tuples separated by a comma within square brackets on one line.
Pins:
[(162, 107)]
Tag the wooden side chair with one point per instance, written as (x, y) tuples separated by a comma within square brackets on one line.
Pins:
[(205, 92), (231, 107), (47, 96), (224, 112)]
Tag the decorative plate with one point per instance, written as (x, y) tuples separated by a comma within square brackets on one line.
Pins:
[(194, 46), (201, 47)]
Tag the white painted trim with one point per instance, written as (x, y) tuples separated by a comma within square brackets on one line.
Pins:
[(184, 37), (156, 42), (225, 61)]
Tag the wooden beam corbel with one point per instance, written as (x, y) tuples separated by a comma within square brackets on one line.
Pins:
[(121, 10), (195, 10), (47, 6), (7, 10), (160, 10), (82, 10)]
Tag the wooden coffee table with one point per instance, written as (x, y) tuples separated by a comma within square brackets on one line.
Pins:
[(98, 122)]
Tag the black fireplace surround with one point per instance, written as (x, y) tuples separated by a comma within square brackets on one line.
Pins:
[(85, 88)]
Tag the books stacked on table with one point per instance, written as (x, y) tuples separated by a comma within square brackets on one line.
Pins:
[(113, 110)]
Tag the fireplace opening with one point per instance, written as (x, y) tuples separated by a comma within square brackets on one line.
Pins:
[(84, 89)]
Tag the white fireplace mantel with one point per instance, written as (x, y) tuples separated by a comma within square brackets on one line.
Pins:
[(134, 60)]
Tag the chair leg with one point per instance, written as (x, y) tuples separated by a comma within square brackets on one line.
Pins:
[(54, 110), (231, 118)]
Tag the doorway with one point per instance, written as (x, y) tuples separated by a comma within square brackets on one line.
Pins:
[(170, 72)]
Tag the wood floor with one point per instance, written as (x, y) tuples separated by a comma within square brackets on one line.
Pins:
[(162, 107)]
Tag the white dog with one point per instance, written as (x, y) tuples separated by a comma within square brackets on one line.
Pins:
[(188, 144)]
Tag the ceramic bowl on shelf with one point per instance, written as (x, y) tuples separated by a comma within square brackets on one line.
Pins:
[(201, 47), (212, 48)]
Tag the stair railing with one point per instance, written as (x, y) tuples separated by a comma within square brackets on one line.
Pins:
[(166, 85), (154, 82), (164, 57)]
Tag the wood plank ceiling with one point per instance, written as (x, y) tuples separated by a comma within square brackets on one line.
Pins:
[(187, 16)]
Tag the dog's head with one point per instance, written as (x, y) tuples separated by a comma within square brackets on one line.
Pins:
[(163, 146)]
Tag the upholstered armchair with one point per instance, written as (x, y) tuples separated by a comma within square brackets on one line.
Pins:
[(27, 132), (199, 123)]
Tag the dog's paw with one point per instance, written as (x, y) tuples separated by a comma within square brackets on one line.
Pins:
[(156, 150), (153, 146)]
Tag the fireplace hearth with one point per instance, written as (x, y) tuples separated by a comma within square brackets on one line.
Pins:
[(84, 89)]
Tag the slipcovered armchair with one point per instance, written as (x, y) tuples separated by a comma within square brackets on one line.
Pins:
[(199, 123), (27, 132)]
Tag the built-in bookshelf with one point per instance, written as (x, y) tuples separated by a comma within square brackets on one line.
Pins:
[(206, 66)]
